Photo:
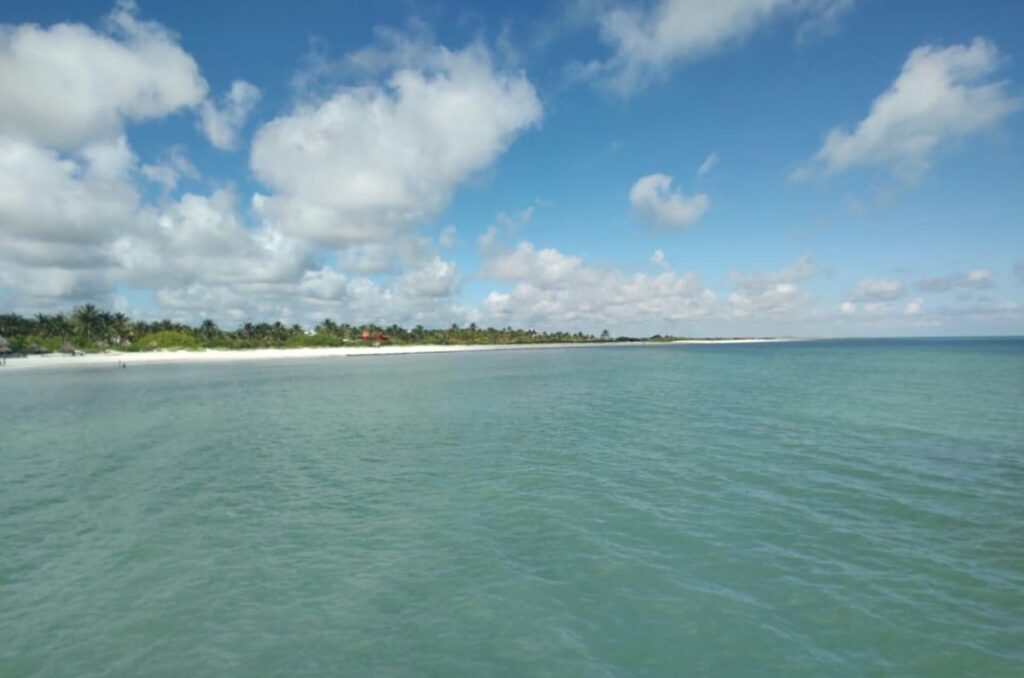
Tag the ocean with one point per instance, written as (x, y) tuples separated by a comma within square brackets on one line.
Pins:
[(832, 508)]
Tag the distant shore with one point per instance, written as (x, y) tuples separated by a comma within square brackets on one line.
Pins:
[(117, 358)]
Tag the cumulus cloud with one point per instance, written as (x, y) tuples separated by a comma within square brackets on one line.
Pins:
[(546, 267), (659, 260), (648, 41), (488, 240), (67, 86), (978, 279), (777, 299), (87, 196), (202, 239), (772, 292), (385, 256), (881, 311), (75, 224), (800, 270), (58, 215), (434, 278), (658, 203), (371, 160), (170, 169), (552, 288), (73, 221), (93, 233), (940, 96), (222, 122), (317, 294), (878, 289)]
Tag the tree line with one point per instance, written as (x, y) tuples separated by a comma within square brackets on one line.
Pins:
[(88, 328)]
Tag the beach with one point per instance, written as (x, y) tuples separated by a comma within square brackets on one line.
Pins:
[(117, 358)]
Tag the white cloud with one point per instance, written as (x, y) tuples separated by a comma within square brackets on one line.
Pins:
[(318, 294), (551, 288), (447, 237), (325, 284), (516, 220), (802, 269), (67, 86), (434, 278), (72, 220), (772, 292), (915, 306), (648, 41), (202, 239), (372, 160), (488, 240), (977, 279), (74, 225), (941, 95), (222, 123), (776, 299), (546, 268), (658, 203), (170, 169), (659, 260), (824, 20), (60, 210), (385, 256), (708, 164), (878, 289)]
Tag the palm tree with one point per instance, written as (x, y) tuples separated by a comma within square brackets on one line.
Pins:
[(208, 330), (43, 326), (12, 324), (120, 327), (327, 327), (86, 320)]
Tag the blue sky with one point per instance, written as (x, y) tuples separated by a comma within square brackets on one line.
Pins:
[(741, 167)]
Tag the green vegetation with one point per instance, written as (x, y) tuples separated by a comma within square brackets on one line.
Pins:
[(167, 339), (88, 328)]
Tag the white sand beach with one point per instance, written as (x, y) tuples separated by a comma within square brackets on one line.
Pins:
[(116, 358)]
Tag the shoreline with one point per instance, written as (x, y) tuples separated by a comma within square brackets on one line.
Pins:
[(115, 358)]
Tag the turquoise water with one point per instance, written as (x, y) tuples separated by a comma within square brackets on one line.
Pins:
[(809, 509)]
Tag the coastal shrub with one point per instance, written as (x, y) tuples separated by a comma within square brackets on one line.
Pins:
[(33, 344), (313, 340), (168, 339)]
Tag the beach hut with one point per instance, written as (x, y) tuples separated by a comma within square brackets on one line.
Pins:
[(377, 338)]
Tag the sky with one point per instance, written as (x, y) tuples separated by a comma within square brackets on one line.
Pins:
[(809, 168)]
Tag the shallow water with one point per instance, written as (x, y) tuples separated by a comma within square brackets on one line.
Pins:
[(827, 508)]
